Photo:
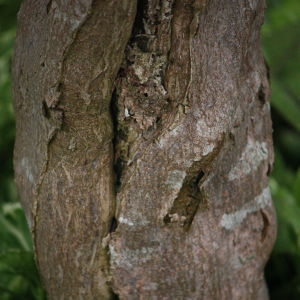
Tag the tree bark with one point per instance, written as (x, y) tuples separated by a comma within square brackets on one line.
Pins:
[(143, 147)]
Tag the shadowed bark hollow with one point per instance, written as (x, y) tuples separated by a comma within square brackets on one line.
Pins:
[(143, 147)]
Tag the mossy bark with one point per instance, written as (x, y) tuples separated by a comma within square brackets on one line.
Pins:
[(144, 146)]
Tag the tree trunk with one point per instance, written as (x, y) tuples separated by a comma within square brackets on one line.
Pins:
[(144, 146)]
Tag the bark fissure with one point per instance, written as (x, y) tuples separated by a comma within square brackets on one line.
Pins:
[(188, 200), (113, 225), (118, 162), (141, 118), (114, 296)]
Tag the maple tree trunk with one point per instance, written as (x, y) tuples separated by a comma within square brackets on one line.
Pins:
[(143, 147)]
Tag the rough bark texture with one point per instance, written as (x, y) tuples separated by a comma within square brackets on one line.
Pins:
[(144, 146)]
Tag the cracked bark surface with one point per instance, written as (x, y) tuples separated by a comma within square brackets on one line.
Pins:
[(144, 146)]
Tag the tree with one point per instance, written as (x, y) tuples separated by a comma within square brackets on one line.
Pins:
[(144, 146)]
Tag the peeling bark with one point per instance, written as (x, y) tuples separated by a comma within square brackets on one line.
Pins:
[(143, 147)]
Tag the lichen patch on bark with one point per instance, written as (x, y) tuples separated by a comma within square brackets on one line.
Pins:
[(232, 220)]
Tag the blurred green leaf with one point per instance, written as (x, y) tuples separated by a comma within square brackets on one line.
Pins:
[(281, 14), (18, 262), (283, 175), (19, 276), (12, 222), (288, 212), (8, 13), (285, 104), (296, 188)]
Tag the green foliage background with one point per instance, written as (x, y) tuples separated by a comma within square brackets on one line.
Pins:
[(281, 43), (18, 274)]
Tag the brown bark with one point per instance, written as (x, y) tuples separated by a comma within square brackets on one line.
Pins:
[(144, 146)]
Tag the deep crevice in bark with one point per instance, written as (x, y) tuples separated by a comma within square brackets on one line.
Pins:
[(48, 7), (114, 296), (120, 139), (118, 163), (113, 225), (138, 25), (189, 198)]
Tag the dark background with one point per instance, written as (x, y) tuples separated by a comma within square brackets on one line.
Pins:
[(281, 43)]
